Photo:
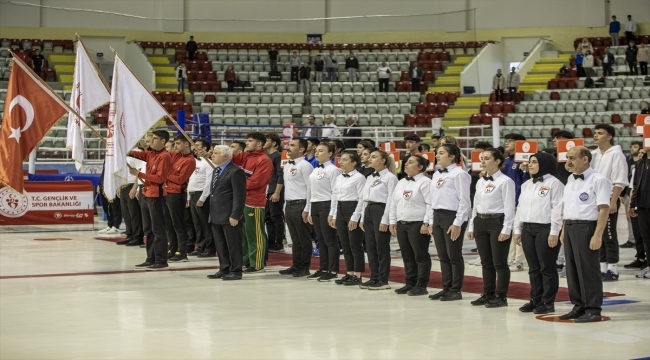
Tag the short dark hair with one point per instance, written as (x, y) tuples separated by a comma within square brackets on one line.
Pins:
[(637, 143), (302, 144), (354, 157), (257, 136), (482, 145), (422, 161), (338, 144), (609, 128), (425, 147), (374, 144), (435, 137), (367, 145), (330, 147), (412, 137), (241, 144), (452, 150), (313, 141), (563, 134), (497, 155), (181, 138), (585, 152), (205, 143), (275, 139), (162, 134), (515, 137)]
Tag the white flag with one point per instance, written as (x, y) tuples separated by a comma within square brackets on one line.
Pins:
[(88, 93), (133, 110)]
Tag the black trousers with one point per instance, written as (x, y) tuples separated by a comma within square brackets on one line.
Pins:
[(113, 211), (274, 220), (609, 249), (450, 252), (189, 227), (498, 95), (190, 55), (300, 234), (351, 241), (132, 215), (514, 96), (201, 222), (494, 255), (228, 240), (415, 84), (383, 85), (294, 73), (644, 67), (153, 224), (633, 68), (629, 35), (377, 242), (328, 246), (544, 280), (638, 240), (176, 229), (607, 69), (584, 279), (643, 218), (415, 253)]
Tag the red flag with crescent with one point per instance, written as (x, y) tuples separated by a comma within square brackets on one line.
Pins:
[(31, 109)]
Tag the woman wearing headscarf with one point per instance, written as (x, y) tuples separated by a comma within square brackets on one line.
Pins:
[(538, 222)]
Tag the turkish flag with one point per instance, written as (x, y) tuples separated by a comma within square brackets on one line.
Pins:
[(31, 109)]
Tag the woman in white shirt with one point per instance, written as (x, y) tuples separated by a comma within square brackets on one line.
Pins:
[(345, 214), (537, 226), (366, 169), (409, 217), (450, 201), (376, 196), (321, 183), (383, 74), (491, 225)]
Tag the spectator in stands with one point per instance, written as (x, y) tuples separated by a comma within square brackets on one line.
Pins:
[(383, 74), (237, 146), (630, 29), (417, 74), (588, 64), (304, 77), (330, 65), (311, 132), (273, 58), (191, 47), (630, 57), (584, 46), (642, 57), (352, 132), (37, 61), (614, 29), (352, 66), (230, 77), (181, 76), (607, 59), (513, 83), (498, 84), (645, 108), (578, 62), (330, 130), (319, 64), (294, 62)]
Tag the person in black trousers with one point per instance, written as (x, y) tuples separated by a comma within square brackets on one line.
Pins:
[(450, 201), (191, 47), (130, 208), (491, 225), (228, 183), (274, 214), (639, 208), (537, 227), (113, 210), (200, 215)]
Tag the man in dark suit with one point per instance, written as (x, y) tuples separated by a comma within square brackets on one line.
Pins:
[(228, 183), (351, 131)]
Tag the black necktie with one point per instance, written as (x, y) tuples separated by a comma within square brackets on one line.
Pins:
[(538, 179), (215, 177), (408, 178), (443, 170), (346, 175), (375, 174), (488, 178), (576, 177), (292, 162), (321, 166)]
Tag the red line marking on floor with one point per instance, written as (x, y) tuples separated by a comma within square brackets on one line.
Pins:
[(51, 239), (104, 272)]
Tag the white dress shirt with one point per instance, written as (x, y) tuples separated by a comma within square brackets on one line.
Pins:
[(321, 182), (495, 197), (330, 131), (384, 72), (630, 26), (379, 189), (582, 197), (202, 172), (348, 188), (136, 164), (612, 164), (450, 191), (540, 203), (296, 180), (411, 200)]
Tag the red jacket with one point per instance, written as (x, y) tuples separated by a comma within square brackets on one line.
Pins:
[(258, 169), (182, 168), (158, 165)]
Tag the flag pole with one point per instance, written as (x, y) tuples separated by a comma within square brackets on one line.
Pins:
[(168, 116), (62, 103)]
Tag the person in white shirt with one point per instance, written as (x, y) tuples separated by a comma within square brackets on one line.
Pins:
[(450, 201), (409, 217), (200, 215), (376, 196), (345, 214), (297, 196), (537, 226), (321, 183), (630, 28), (586, 207), (383, 74), (329, 130), (610, 161), (491, 225)]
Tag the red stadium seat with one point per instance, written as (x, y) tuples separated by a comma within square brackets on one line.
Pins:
[(475, 119), (210, 99), (432, 108), (431, 97), (485, 107), (410, 120), (179, 96), (421, 108)]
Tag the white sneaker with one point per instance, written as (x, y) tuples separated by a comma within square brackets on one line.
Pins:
[(104, 231), (517, 266), (113, 231), (645, 273), (476, 262)]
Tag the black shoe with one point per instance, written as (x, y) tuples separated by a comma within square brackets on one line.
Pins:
[(232, 276), (379, 285), (544, 309), (194, 253), (627, 245), (353, 280), (143, 245), (404, 289), (482, 300), (342, 280), (572, 315), (301, 273), (367, 284), (452, 296), (497, 301), (290, 271), (587, 318), (417, 291), (218, 275), (157, 267), (316, 275), (610, 276), (135, 243), (559, 267), (252, 270), (327, 277), (124, 242), (143, 265), (636, 264), (438, 295), (207, 255), (170, 255), (277, 248), (179, 258), (528, 307)]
